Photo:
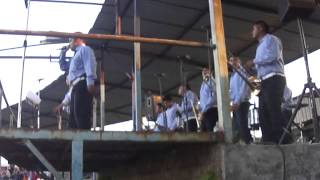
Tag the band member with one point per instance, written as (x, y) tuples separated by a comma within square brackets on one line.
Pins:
[(160, 126), (286, 103), (240, 96), (208, 102), (270, 68), (170, 113), (187, 107), (81, 78)]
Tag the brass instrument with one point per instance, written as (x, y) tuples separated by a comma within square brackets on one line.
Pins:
[(253, 82)]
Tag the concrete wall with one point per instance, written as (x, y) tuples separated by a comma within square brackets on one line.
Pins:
[(295, 162), (226, 162), (199, 162)]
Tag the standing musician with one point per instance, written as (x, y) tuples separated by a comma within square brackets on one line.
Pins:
[(208, 102), (270, 68), (187, 107), (81, 78), (240, 96)]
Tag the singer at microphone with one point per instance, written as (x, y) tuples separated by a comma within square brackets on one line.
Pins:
[(208, 102)]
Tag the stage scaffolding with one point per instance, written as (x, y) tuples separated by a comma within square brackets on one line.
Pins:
[(78, 139)]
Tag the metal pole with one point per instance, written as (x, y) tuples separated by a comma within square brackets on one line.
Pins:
[(165, 120), (137, 66), (310, 84), (42, 159), (38, 118), (72, 2), (23, 63), (118, 26), (221, 69), (94, 114), (133, 109), (77, 160), (12, 116), (1, 94), (102, 92), (109, 37), (33, 57), (209, 50)]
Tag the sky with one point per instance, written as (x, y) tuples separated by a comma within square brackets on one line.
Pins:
[(296, 72)]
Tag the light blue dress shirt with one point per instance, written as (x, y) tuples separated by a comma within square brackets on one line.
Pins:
[(269, 57), (159, 121), (171, 114), (208, 97), (82, 63), (239, 89), (189, 99)]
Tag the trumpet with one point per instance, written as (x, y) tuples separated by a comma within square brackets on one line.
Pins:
[(255, 85)]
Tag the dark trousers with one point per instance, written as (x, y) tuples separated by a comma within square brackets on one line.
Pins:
[(209, 119), (287, 113), (270, 115), (241, 120), (80, 107), (192, 125)]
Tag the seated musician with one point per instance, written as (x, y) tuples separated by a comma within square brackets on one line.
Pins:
[(171, 113), (167, 115)]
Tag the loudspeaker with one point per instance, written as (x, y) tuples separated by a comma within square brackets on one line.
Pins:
[(292, 9)]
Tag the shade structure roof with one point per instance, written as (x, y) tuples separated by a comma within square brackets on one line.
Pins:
[(174, 19)]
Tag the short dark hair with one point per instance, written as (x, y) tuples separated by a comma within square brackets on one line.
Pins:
[(160, 105), (263, 25), (167, 98)]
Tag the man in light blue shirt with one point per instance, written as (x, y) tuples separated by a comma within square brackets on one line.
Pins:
[(81, 79), (187, 107), (239, 95), (208, 102), (270, 69), (171, 109)]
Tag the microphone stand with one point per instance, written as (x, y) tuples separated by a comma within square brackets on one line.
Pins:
[(159, 78), (38, 115), (183, 80), (209, 50), (311, 86), (27, 3)]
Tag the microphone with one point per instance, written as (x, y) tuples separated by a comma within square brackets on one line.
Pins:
[(185, 57), (159, 75), (64, 48)]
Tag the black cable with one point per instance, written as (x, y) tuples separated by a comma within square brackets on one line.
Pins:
[(284, 168)]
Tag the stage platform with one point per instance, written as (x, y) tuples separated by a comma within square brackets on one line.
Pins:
[(102, 151)]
